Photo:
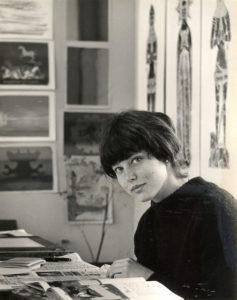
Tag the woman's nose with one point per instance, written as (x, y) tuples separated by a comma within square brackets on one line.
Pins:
[(131, 176)]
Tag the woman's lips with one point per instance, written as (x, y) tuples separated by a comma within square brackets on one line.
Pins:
[(137, 187)]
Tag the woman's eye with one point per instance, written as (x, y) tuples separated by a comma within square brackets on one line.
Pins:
[(118, 170), (136, 159)]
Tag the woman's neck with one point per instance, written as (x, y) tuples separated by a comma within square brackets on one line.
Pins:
[(172, 184)]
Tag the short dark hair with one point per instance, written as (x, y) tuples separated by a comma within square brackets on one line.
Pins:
[(132, 131)]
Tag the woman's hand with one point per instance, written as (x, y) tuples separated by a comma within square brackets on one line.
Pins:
[(128, 267)]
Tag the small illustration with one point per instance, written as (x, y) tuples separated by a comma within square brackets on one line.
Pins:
[(28, 19), (24, 64), (220, 37), (26, 116), (151, 60), (88, 192), (26, 168), (184, 81), (82, 132)]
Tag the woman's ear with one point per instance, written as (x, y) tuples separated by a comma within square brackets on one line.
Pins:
[(110, 179)]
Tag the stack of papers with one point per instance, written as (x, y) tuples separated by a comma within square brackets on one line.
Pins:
[(23, 262)]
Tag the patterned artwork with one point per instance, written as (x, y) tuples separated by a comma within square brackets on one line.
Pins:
[(26, 19), (27, 116), (26, 65), (220, 37), (26, 169), (151, 60), (184, 81), (82, 132), (88, 191)]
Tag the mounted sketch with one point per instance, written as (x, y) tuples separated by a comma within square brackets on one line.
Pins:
[(151, 60), (184, 81), (150, 57), (26, 65), (87, 76), (88, 191), (220, 38), (27, 116), (28, 19), (82, 132), (27, 168)]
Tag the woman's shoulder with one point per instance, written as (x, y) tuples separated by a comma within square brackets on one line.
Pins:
[(197, 194), (212, 190), (211, 197)]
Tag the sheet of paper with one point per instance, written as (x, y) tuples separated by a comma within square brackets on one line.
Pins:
[(17, 232), (13, 271), (18, 243)]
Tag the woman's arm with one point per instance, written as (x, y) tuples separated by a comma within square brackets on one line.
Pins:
[(128, 267)]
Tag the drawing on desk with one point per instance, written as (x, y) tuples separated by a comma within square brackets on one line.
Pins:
[(19, 242), (89, 193)]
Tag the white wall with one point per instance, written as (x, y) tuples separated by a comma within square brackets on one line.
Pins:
[(45, 214)]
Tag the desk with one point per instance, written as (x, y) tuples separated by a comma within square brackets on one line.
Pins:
[(12, 246), (70, 280)]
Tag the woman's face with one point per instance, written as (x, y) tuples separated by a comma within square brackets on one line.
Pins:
[(142, 176)]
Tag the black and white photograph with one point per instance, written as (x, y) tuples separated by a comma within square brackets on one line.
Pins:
[(87, 77), (27, 168), (118, 142), (27, 116), (26, 19), (89, 193), (82, 132), (26, 65)]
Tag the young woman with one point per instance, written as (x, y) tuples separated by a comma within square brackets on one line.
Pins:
[(187, 238)]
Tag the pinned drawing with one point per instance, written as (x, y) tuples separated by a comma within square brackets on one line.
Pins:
[(220, 36), (28, 19), (82, 132), (27, 116), (26, 65), (184, 81), (151, 60), (88, 191), (26, 169)]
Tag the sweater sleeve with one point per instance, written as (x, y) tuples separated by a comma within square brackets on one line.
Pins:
[(217, 244)]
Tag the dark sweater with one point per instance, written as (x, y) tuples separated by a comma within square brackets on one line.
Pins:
[(189, 241)]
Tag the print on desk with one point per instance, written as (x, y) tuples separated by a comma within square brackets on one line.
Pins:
[(220, 38), (26, 169), (26, 65), (28, 116), (26, 19), (82, 133), (184, 81), (78, 290), (88, 191)]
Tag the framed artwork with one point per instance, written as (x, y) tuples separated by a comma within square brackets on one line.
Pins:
[(218, 81), (183, 76), (28, 19), (27, 168), (90, 21), (82, 132), (27, 116), (87, 76), (150, 60), (26, 65), (89, 193)]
